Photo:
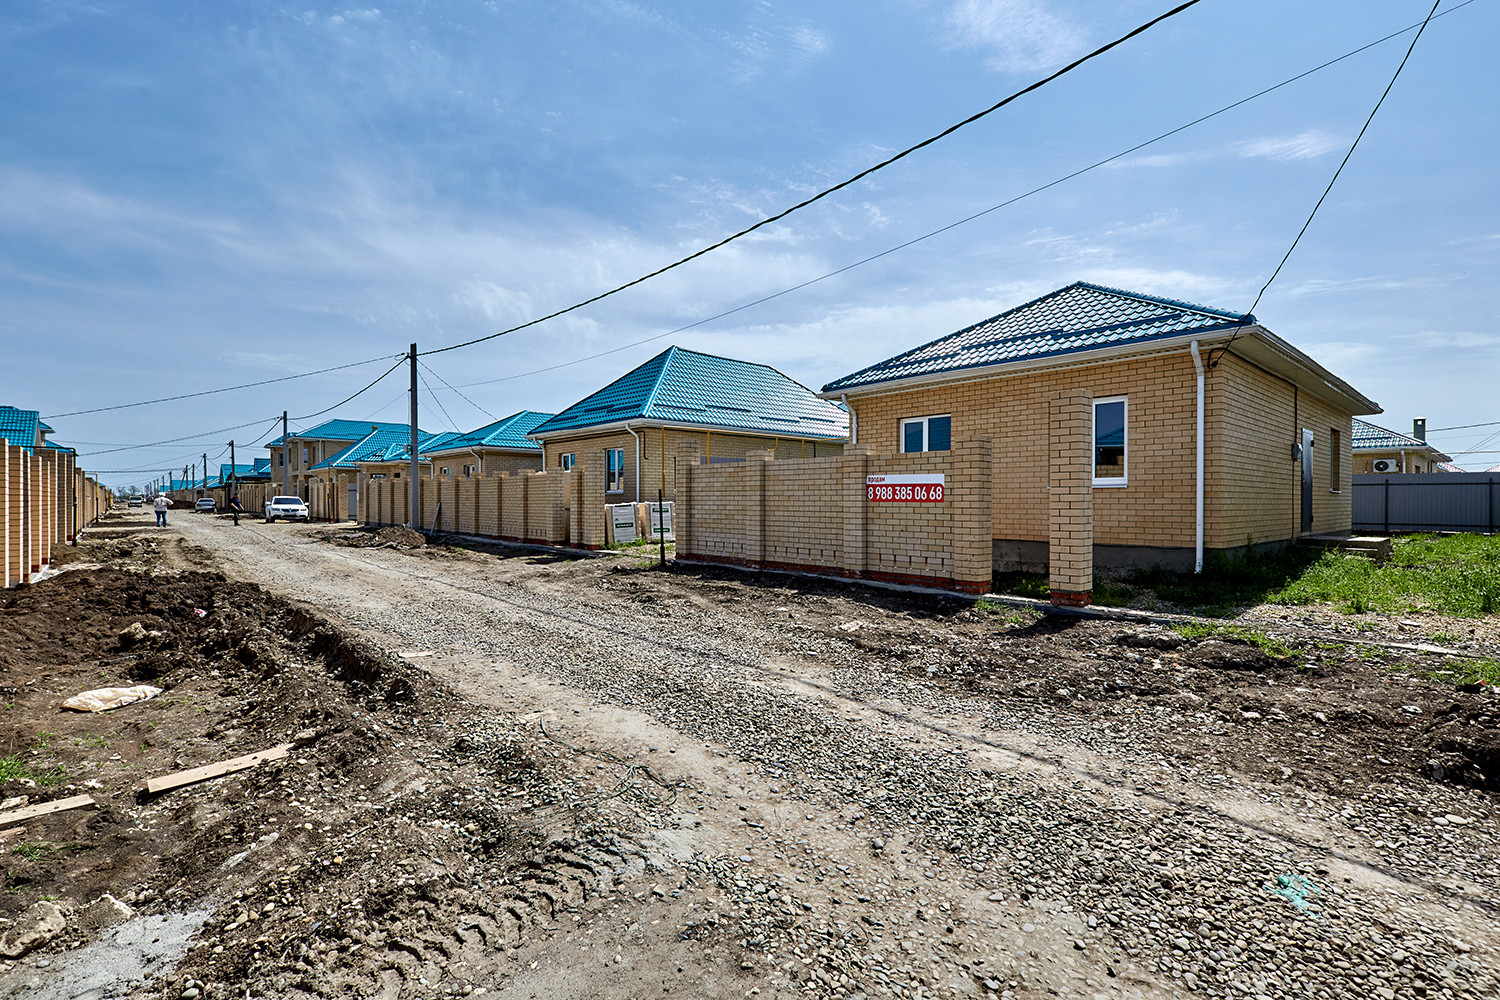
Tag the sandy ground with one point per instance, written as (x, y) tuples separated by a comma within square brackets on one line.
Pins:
[(535, 776)]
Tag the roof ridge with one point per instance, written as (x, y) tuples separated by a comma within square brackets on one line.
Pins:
[(661, 376), (1161, 300)]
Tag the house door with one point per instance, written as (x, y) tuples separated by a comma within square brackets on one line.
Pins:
[(353, 502), (1307, 480)]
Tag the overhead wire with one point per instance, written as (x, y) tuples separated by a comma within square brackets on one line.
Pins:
[(190, 437), (211, 392), (768, 220), (968, 218), (1249, 315), (443, 409), (401, 359), (460, 395)]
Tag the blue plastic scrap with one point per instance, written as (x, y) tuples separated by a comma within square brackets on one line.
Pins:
[(1296, 889)]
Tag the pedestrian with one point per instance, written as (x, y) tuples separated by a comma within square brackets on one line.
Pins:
[(234, 506), (162, 503)]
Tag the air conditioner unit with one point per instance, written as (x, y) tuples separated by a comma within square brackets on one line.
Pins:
[(1387, 465)]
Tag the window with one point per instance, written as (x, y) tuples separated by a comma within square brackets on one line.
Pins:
[(470, 470), (927, 433), (614, 470), (566, 462), (281, 458), (443, 471), (1109, 441), (1334, 461), (304, 456)]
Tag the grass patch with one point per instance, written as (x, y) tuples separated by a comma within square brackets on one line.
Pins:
[(15, 769), (1456, 575), (43, 848), (1033, 585), (1209, 630), (1007, 616), (1483, 671)]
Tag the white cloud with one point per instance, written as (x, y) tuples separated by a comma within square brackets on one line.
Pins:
[(1023, 35), (1307, 145)]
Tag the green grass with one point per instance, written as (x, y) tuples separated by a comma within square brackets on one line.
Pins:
[(43, 848), (1456, 575), (1006, 615), (1033, 585), (1261, 641), (14, 769)]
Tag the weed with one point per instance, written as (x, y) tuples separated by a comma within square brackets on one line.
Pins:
[(43, 740), (43, 848), (1033, 585), (94, 742), (14, 768), (1261, 641)]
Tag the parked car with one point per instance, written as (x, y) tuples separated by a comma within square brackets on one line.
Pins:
[(206, 503), (291, 508), (135, 502)]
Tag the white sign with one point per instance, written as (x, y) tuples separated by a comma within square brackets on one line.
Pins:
[(661, 519), (622, 520), (926, 488)]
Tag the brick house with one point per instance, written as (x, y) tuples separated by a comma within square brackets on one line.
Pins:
[(337, 482), (1125, 368), (496, 447), (682, 403), (1379, 450), (294, 456)]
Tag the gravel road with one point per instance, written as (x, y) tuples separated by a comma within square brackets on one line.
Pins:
[(873, 826)]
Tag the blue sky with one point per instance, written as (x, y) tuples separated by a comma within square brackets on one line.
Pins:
[(204, 193)]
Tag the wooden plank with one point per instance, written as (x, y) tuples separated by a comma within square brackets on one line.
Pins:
[(25, 813), (169, 781)]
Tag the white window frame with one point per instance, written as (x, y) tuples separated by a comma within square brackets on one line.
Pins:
[(1109, 481), (567, 460), (470, 471), (923, 421), (617, 473)]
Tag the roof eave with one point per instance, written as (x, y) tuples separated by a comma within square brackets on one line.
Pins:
[(637, 423)]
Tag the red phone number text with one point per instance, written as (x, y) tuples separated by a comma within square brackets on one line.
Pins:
[(905, 494)]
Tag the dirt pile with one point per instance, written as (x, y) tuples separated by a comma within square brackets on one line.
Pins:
[(407, 838)]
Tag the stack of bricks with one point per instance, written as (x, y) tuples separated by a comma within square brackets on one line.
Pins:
[(1070, 500)]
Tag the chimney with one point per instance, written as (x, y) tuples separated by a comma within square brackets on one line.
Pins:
[(1419, 428)]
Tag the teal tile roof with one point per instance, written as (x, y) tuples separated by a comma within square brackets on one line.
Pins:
[(335, 430), (387, 443), (20, 427), (1372, 437), (243, 472), (701, 390), (1078, 318), (508, 432)]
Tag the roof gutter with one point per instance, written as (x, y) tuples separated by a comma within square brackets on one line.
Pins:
[(637, 476), (620, 425), (1198, 499), (853, 420)]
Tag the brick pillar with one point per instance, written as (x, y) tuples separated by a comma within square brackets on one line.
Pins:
[(968, 497), (6, 569), (685, 484), (854, 466), (34, 512), (755, 518), (1070, 499)]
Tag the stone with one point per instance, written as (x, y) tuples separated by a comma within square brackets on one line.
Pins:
[(106, 911), (42, 922)]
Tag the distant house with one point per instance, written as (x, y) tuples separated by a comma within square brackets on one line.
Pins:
[(1276, 437), (682, 403), (294, 456), (1384, 451), (335, 484), (501, 446)]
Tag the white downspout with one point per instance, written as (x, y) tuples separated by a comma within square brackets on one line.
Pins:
[(1198, 543), (1402, 453), (853, 420), (637, 463)]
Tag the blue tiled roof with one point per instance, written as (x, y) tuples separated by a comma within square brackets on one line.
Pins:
[(375, 446), (1080, 317), (19, 427), (508, 432), (1371, 437), (685, 387), (243, 472), (262, 466), (336, 430)]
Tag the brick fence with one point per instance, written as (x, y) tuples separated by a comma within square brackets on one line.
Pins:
[(816, 516), (45, 500)]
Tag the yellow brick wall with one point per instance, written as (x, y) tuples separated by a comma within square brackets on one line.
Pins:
[(1247, 411), (663, 450)]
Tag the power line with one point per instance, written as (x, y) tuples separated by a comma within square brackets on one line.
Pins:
[(400, 359), (837, 187), (210, 392), (460, 395), (190, 437), (1249, 316), (1462, 427), (960, 222), (439, 402)]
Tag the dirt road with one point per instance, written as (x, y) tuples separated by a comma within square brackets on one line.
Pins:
[(813, 789)]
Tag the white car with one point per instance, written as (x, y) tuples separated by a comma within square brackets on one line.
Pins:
[(286, 507)]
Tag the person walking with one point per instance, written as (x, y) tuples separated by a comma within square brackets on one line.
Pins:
[(162, 503)]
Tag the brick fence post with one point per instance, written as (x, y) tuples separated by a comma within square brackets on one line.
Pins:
[(685, 480), (854, 466), (969, 501), (1070, 499), (591, 502), (755, 518)]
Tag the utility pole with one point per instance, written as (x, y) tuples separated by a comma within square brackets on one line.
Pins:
[(416, 495), (205, 472), (233, 507), (286, 451)]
